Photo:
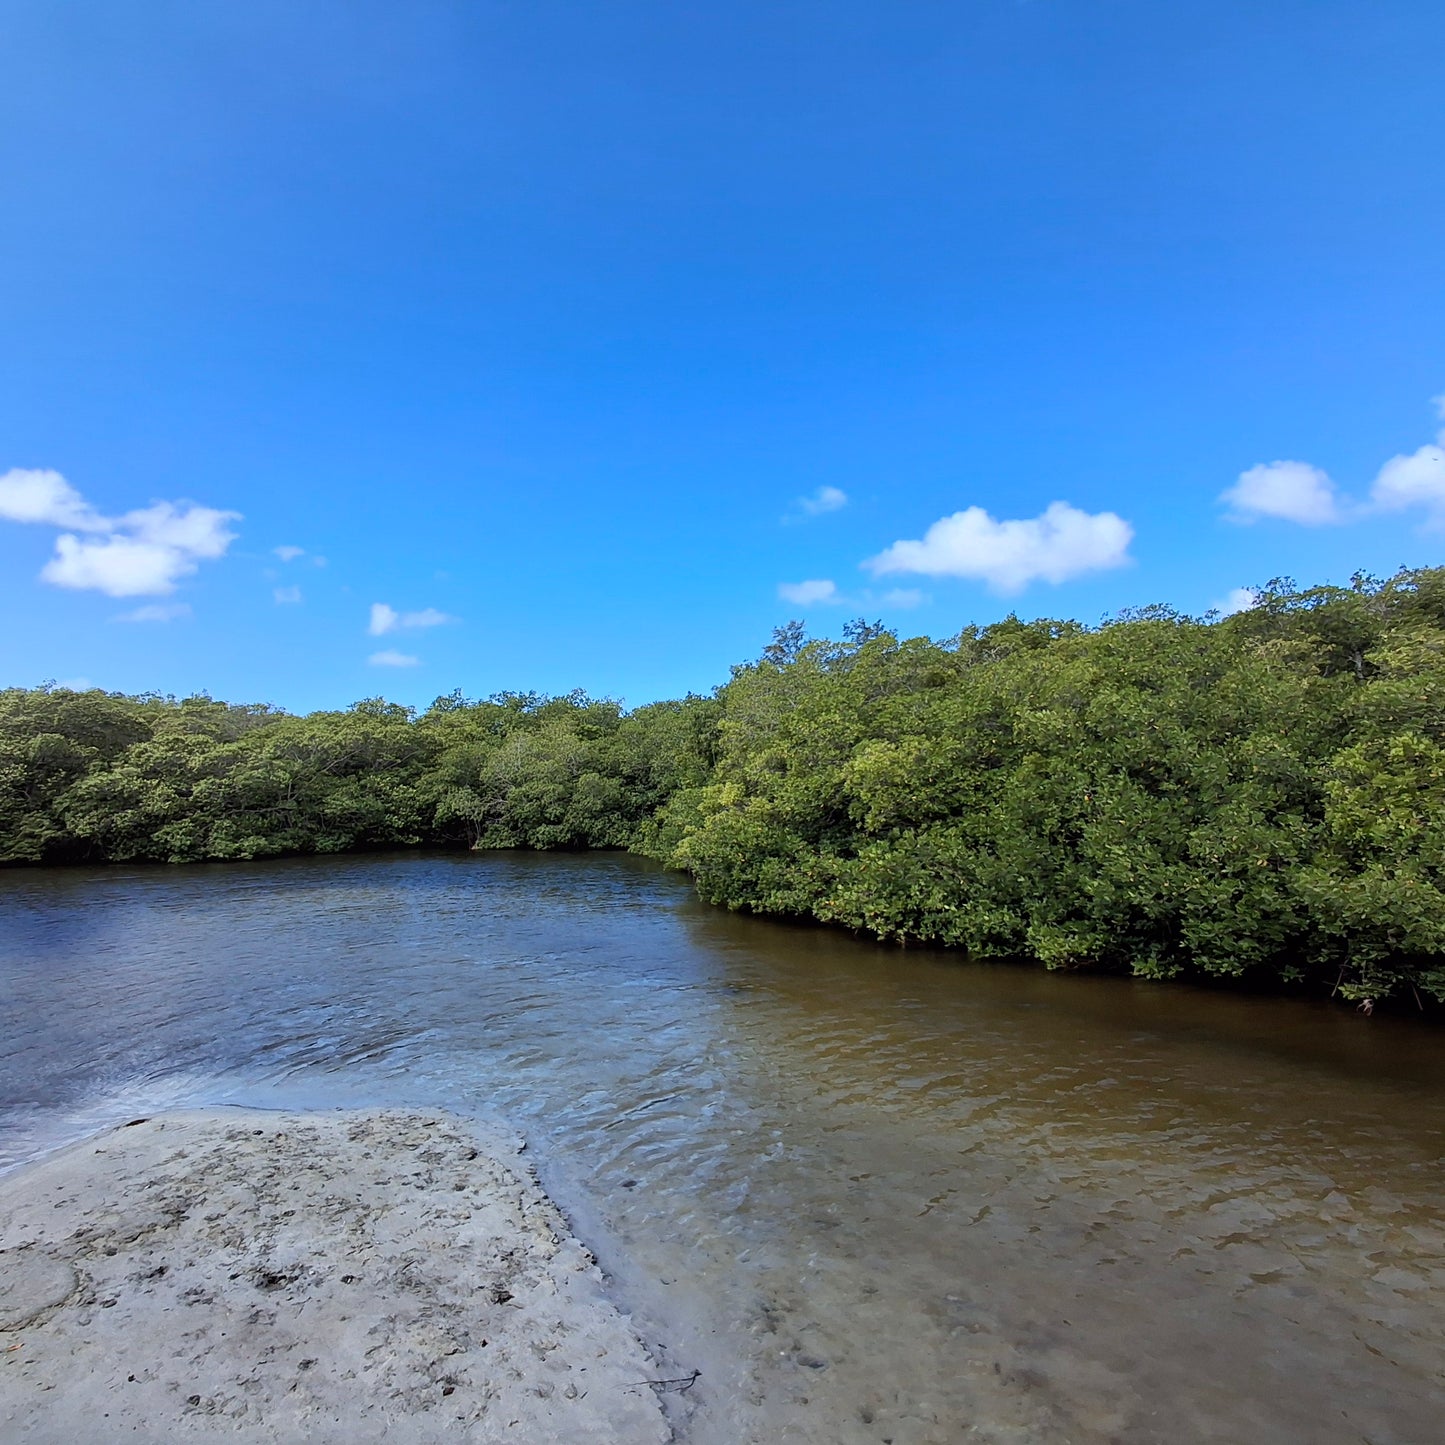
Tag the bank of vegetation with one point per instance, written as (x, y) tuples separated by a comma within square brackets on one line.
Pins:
[(1256, 797)]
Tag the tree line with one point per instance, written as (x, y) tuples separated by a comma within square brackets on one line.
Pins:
[(1258, 797)]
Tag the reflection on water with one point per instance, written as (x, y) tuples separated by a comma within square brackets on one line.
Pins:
[(876, 1196)]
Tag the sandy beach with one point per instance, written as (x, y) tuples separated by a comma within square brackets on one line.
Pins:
[(334, 1277)]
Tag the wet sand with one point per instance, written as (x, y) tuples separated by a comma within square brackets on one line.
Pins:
[(327, 1276)]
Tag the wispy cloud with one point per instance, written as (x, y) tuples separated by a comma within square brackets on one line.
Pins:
[(286, 595), (288, 553), (141, 553), (820, 592), (390, 658), (817, 503), (386, 619), (1062, 542), (155, 612), (807, 594)]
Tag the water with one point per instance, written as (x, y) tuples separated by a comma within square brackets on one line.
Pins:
[(875, 1196)]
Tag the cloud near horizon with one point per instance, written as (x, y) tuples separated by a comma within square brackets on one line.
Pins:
[(386, 619), (1061, 543), (392, 658), (820, 591), (1417, 480), (815, 590), (143, 553), (1301, 493), (1237, 599)]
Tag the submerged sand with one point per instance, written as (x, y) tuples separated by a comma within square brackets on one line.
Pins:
[(329, 1277)]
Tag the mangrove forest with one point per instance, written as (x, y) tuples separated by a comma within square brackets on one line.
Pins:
[(1256, 797)]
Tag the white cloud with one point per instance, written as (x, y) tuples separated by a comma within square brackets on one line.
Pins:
[(804, 594), (118, 566), (1417, 480), (386, 619), (390, 658), (1238, 599), (1414, 481), (1062, 542), (825, 499), (142, 553), (1293, 491), (285, 595), (45, 496), (1299, 492), (195, 531), (904, 597), (288, 553), (155, 612)]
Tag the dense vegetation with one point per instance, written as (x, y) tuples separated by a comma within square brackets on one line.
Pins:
[(1258, 796)]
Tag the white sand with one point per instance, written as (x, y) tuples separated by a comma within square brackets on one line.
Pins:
[(320, 1277)]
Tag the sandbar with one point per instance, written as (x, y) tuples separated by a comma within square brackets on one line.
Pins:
[(322, 1276)]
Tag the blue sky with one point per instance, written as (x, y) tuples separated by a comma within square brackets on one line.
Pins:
[(560, 337)]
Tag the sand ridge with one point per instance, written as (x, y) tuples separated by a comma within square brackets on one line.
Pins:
[(334, 1277)]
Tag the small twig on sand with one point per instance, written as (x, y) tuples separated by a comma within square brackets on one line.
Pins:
[(683, 1382), (642, 1108)]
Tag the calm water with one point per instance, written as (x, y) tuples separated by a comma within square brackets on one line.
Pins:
[(875, 1196)]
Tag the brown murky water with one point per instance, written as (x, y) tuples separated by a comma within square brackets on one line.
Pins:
[(875, 1196)]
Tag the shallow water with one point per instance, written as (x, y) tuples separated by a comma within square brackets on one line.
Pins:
[(873, 1195)]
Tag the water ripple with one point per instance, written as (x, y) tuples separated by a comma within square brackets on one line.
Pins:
[(875, 1195)]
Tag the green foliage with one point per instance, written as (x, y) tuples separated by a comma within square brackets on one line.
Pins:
[(1256, 797), (104, 777)]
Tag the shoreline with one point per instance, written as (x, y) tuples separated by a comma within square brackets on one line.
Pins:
[(328, 1275)]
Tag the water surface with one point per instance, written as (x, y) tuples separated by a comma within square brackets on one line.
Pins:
[(874, 1195)]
